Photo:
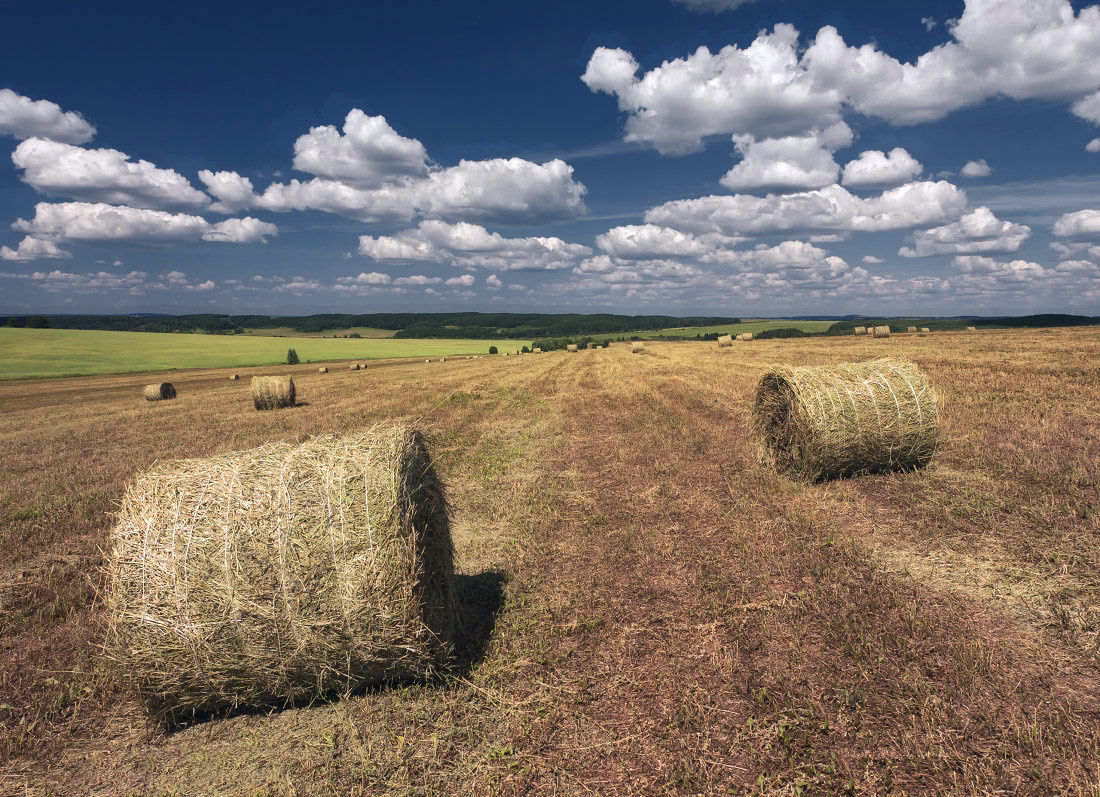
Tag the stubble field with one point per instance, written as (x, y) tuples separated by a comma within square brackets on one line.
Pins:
[(647, 610)]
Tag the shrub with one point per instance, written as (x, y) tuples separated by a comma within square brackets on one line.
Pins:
[(291, 357), (492, 350)]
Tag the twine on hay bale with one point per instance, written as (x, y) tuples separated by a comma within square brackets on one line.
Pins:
[(859, 331), (725, 340), (637, 347), (322, 370), (880, 332), (234, 377), (159, 391), (272, 392), (910, 329), (571, 347), (829, 421), (274, 576)]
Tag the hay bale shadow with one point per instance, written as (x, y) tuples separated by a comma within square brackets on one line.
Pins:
[(479, 599)]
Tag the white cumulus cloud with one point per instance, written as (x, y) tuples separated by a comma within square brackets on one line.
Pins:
[(368, 154), (978, 168), (791, 163), (23, 117), (877, 169), (1082, 224), (712, 6), (978, 231), (102, 175), (31, 248)]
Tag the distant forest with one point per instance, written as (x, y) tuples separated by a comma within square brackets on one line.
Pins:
[(406, 325)]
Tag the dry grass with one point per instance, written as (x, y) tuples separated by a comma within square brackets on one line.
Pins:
[(276, 575), (673, 619)]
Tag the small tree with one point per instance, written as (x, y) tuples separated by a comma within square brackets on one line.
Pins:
[(291, 357), (492, 350), (525, 350)]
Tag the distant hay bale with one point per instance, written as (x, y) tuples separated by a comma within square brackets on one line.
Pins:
[(925, 329), (234, 377), (593, 345), (537, 350), (353, 367), (859, 331), (274, 576), (725, 340), (910, 329), (443, 359), (427, 361), (272, 392), (829, 421), (159, 391), (971, 329), (322, 370), (637, 347), (880, 332), (571, 347), (747, 336)]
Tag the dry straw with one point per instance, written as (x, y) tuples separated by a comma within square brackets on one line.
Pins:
[(830, 421), (234, 377), (971, 329), (725, 340), (859, 331), (747, 336), (571, 347), (537, 350), (274, 576), (322, 370), (159, 391), (637, 347), (910, 329), (272, 392), (880, 332), (925, 329)]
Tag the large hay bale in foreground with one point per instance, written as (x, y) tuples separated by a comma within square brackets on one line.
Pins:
[(637, 347), (571, 347), (272, 392), (159, 391), (843, 420), (859, 331), (725, 340), (880, 332), (273, 576)]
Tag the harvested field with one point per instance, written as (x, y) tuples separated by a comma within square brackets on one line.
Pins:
[(646, 609)]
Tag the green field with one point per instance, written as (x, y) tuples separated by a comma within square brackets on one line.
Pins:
[(748, 325), (26, 353), (290, 332)]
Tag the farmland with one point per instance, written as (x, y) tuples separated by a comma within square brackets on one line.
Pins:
[(646, 608), (66, 352)]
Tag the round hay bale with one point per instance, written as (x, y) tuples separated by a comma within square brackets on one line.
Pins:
[(824, 422), (725, 340), (274, 576), (536, 350), (859, 331), (322, 370), (910, 329), (637, 347), (443, 359), (427, 361), (571, 347), (925, 329), (353, 367), (593, 345), (880, 332), (747, 336), (971, 329), (272, 392), (234, 377), (159, 391)]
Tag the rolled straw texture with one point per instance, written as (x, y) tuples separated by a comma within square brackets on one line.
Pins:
[(273, 576), (825, 422)]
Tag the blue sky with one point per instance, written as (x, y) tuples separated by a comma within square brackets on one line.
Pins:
[(671, 156)]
